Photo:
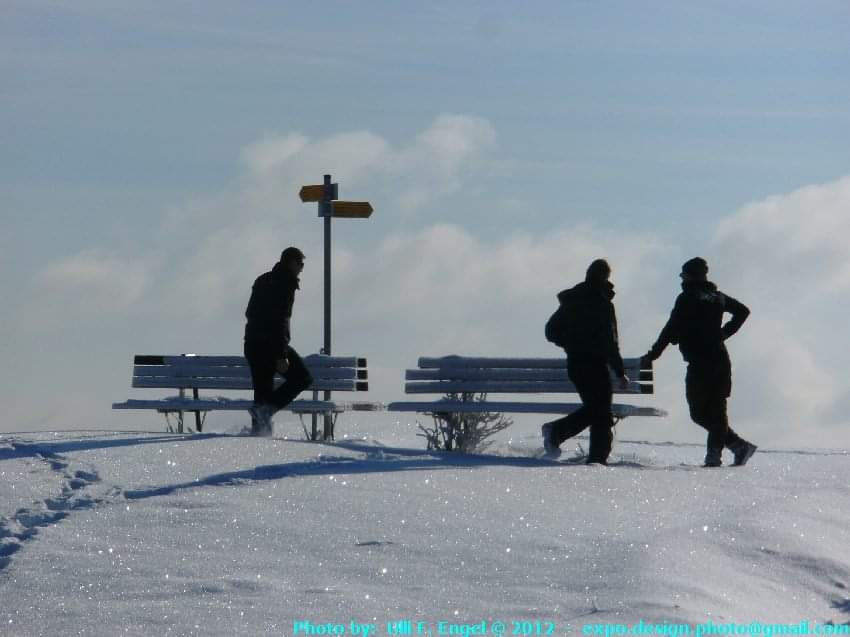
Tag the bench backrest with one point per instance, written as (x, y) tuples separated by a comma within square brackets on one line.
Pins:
[(190, 371), (457, 374)]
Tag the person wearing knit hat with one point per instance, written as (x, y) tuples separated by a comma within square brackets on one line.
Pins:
[(696, 325), (696, 268)]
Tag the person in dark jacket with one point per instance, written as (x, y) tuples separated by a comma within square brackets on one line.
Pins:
[(589, 336), (267, 338), (696, 325)]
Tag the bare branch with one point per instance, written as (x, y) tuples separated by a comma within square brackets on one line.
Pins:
[(464, 432)]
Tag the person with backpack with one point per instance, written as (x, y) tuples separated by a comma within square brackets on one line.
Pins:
[(585, 325), (696, 324), (267, 337)]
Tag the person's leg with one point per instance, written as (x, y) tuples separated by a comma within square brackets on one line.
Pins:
[(597, 396), (698, 395), (574, 423), (261, 362), (742, 449), (570, 425), (723, 380), (706, 395), (297, 378), (726, 436)]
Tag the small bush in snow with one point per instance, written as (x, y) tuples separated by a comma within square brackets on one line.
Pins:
[(464, 432)]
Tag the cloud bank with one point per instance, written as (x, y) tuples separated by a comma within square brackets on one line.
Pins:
[(411, 284), (789, 257)]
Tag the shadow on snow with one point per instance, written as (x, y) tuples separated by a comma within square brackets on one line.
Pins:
[(378, 459), (54, 449)]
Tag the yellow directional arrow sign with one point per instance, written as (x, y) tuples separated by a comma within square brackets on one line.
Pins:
[(317, 192), (351, 209)]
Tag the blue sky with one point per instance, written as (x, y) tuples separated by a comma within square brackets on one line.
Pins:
[(150, 158)]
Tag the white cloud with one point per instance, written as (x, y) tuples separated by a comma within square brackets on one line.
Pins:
[(90, 283), (264, 156), (234, 236), (434, 164), (215, 277), (798, 239), (787, 257), (453, 139), (292, 160), (439, 160), (445, 288), (458, 293), (781, 388)]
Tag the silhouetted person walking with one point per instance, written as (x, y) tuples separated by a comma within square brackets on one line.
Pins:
[(267, 337), (588, 333), (696, 324)]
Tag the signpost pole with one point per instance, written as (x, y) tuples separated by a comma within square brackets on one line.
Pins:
[(326, 195), (328, 429)]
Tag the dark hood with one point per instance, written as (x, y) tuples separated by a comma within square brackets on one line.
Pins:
[(587, 289)]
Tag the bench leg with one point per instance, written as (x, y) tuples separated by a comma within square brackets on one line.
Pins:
[(180, 413), (330, 425), (198, 422), (315, 418), (303, 426), (328, 430)]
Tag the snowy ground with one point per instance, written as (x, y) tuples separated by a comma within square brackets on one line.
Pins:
[(107, 533)]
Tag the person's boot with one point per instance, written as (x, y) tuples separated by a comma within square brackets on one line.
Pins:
[(743, 452), (261, 420), (601, 441), (551, 449), (713, 458)]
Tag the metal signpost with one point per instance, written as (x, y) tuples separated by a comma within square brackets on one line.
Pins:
[(326, 196)]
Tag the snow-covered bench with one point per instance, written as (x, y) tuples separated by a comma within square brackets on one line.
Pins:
[(195, 372), (474, 375)]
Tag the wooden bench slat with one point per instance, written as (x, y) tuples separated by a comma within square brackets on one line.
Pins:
[(239, 383), (509, 387), (176, 404), (520, 374), (312, 360), (241, 372), (445, 406), (319, 360), (429, 362), (356, 405), (239, 404)]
